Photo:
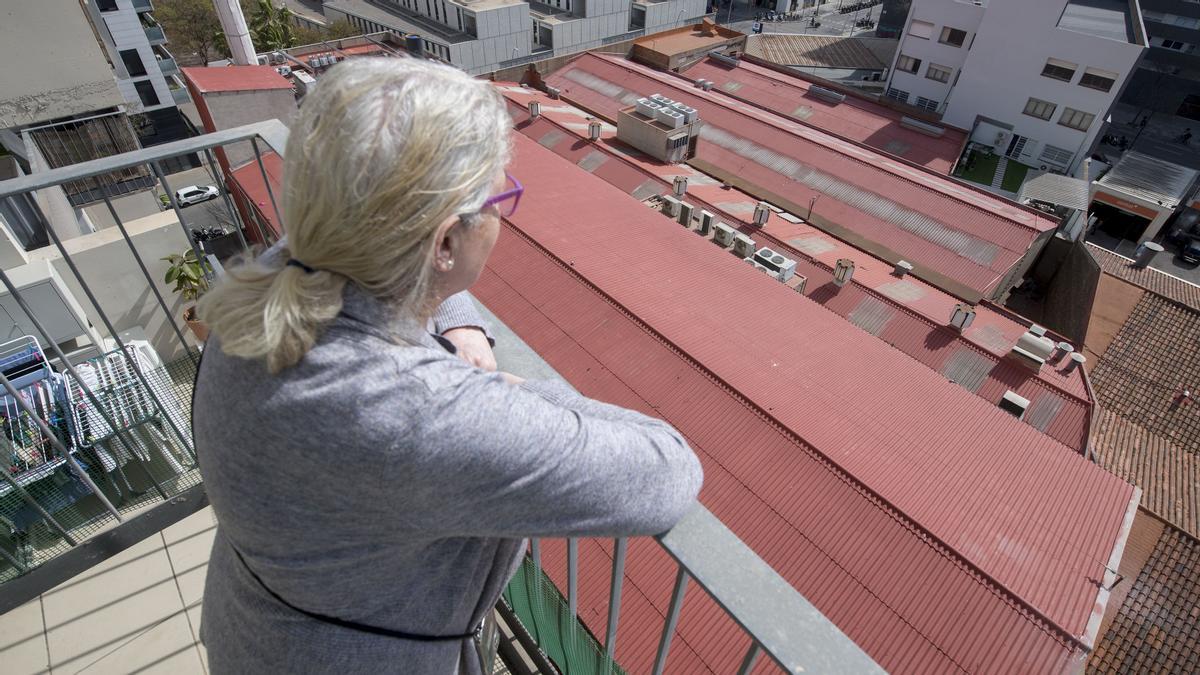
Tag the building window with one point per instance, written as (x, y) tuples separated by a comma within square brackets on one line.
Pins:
[(953, 36), (145, 91), (908, 64), (921, 29), (1043, 110), (469, 25), (1098, 79), (938, 73), (897, 95), (927, 103), (1059, 70), (1056, 155), (133, 62), (106, 5), (1076, 119)]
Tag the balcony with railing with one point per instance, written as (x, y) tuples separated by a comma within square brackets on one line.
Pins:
[(154, 32), (168, 66), (143, 6), (100, 477)]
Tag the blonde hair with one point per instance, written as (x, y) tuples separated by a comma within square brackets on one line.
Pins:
[(382, 152)]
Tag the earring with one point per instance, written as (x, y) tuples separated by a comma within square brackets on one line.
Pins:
[(449, 264)]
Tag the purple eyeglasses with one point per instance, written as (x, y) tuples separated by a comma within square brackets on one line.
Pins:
[(514, 193)]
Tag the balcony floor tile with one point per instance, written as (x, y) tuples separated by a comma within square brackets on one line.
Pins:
[(23, 640)]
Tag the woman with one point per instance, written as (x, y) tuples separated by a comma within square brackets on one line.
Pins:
[(373, 490)]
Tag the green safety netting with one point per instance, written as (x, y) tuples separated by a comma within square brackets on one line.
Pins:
[(545, 614)]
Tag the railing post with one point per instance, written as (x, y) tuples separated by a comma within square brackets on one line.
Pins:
[(162, 178), (220, 178), (266, 182), (620, 549), (153, 287), (41, 329), (535, 552), (58, 445), (672, 620), (751, 657), (573, 576)]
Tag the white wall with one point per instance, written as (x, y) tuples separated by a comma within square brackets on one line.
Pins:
[(1003, 70), (56, 67), (941, 13), (124, 28), (107, 265)]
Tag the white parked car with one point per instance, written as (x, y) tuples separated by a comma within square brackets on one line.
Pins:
[(194, 194)]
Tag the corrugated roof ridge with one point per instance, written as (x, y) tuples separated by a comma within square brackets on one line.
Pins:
[(782, 245), (1024, 607), (900, 176)]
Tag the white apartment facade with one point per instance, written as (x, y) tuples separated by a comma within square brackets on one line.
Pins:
[(146, 73), (482, 36), (1032, 79)]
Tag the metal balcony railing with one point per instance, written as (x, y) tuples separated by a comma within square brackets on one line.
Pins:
[(155, 35), (98, 437), (180, 95), (143, 5), (122, 448), (781, 623), (168, 66)]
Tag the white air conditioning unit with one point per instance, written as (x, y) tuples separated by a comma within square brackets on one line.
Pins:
[(780, 266), (723, 234), (707, 220), (671, 206), (742, 245), (761, 213), (685, 214), (262, 60), (284, 70)]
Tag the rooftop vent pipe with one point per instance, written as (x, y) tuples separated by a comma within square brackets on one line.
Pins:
[(1145, 254), (535, 109), (680, 187), (962, 316), (843, 272), (1077, 361), (762, 213), (902, 268)]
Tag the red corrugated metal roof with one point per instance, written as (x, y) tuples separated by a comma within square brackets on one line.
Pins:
[(914, 313), (247, 180), (971, 238), (839, 460), (855, 118), (235, 78)]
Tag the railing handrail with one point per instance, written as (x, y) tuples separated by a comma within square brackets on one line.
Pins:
[(273, 132), (776, 616), (781, 620)]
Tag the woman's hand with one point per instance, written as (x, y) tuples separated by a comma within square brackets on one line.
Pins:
[(472, 346)]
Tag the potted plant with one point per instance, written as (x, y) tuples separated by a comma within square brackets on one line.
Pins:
[(191, 281)]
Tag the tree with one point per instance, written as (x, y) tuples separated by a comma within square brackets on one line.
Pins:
[(271, 27), (193, 28), (306, 35)]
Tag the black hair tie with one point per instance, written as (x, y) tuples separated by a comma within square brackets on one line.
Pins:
[(292, 262)]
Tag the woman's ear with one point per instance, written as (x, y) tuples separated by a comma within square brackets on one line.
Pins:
[(446, 244)]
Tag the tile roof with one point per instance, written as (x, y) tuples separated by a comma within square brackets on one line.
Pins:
[(1149, 362), (824, 51), (1148, 278), (1168, 475), (247, 180), (892, 512), (857, 118), (974, 359), (235, 78), (1157, 628), (967, 240)]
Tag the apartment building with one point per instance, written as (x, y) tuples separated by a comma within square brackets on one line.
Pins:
[(482, 36), (146, 72), (1031, 79), (1168, 79)]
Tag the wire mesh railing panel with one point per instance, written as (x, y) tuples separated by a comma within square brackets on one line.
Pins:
[(546, 615)]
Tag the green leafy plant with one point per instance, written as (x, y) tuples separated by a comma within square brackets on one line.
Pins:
[(188, 274)]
